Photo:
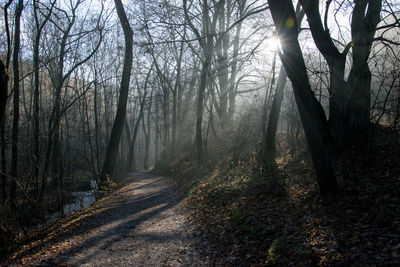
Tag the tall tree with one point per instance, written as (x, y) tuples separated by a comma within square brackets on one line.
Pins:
[(147, 134), (15, 125), (113, 143), (3, 104), (60, 71), (39, 25), (3, 91), (269, 138), (4, 96), (234, 68), (349, 101), (207, 46), (131, 162), (311, 112)]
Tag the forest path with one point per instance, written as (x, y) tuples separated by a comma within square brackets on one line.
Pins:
[(145, 226)]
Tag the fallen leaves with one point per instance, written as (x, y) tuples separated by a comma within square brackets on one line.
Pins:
[(361, 225)]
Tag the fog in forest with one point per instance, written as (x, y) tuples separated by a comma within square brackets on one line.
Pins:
[(250, 106)]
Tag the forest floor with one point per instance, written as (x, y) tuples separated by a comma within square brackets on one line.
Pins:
[(227, 215), (252, 224), (141, 224)]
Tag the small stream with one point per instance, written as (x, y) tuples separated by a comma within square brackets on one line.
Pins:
[(82, 200)]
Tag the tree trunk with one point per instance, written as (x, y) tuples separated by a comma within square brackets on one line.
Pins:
[(311, 112), (232, 80), (222, 62), (175, 98), (275, 112), (14, 145), (56, 149), (112, 148), (200, 106), (267, 98), (147, 135), (349, 100), (3, 104), (96, 111), (131, 164), (273, 119), (207, 45), (36, 129), (3, 92), (165, 113), (157, 135), (365, 18)]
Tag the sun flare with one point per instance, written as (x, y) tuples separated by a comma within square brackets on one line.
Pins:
[(273, 43)]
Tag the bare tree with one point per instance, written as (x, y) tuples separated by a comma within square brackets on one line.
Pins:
[(14, 146), (131, 164), (39, 25), (3, 104), (113, 143), (311, 113), (350, 100), (207, 46), (60, 71), (269, 138)]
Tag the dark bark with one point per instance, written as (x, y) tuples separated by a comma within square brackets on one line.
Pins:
[(267, 98), (8, 35), (113, 143), (3, 91), (58, 77), (311, 113), (365, 18), (273, 119), (275, 111), (35, 119), (3, 99), (15, 125), (199, 109), (96, 127), (349, 101), (3, 104)]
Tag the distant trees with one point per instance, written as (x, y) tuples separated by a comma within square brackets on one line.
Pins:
[(71, 34), (207, 45), (215, 42), (201, 72)]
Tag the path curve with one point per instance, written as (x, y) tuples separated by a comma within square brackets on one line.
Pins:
[(146, 227)]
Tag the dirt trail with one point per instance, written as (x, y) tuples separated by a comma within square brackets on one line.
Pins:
[(146, 227)]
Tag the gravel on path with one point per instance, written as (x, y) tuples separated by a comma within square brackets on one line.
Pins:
[(146, 226)]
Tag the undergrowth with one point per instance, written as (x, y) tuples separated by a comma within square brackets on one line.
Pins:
[(254, 223)]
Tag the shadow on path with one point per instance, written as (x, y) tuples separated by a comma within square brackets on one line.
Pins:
[(146, 226)]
